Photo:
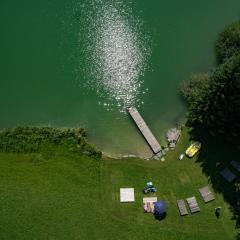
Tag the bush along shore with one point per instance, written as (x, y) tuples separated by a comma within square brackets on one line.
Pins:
[(38, 139)]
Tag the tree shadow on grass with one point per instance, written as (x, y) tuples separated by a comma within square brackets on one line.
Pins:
[(215, 155)]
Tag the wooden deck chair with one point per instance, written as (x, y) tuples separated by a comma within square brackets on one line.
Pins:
[(236, 165), (228, 175), (193, 205), (206, 194), (182, 207)]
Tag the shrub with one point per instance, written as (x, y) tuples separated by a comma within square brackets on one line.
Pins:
[(37, 139)]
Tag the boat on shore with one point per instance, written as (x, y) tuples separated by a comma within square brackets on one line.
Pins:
[(193, 149)]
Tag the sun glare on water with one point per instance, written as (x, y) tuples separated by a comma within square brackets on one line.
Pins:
[(115, 54)]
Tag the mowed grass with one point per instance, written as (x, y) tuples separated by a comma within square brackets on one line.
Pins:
[(66, 196)]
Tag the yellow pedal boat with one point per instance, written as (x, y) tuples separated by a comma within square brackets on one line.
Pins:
[(193, 149)]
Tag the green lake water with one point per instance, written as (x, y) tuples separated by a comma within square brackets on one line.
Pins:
[(83, 62)]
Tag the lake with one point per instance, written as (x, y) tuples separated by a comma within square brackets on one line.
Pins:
[(82, 63)]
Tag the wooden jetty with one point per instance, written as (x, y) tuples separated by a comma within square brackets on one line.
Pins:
[(146, 132)]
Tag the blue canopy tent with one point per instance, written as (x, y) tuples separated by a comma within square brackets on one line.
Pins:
[(160, 209)]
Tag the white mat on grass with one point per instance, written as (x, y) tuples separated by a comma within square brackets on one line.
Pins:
[(127, 195)]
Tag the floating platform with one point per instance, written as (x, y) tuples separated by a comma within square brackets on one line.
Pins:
[(146, 132)]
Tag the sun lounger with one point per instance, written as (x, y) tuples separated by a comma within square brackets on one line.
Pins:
[(182, 207), (236, 165), (193, 205), (206, 194), (228, 175), (148, 204), (148, 207)]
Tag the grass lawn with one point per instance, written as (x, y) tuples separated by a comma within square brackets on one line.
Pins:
[(66, 196)]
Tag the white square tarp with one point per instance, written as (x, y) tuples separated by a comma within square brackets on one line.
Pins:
[(127, 195)]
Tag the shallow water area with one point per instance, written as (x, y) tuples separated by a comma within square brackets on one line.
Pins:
[(83, 62)]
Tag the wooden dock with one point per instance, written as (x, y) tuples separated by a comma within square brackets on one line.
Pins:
[(146, 132)]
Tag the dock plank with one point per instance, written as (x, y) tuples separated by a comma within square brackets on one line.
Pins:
[(146, 132)]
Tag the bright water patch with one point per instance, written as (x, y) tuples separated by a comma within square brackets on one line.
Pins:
[(115, 53)]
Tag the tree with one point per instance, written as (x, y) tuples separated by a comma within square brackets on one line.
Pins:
[(223, 102), (228, 43), (194, 87), (194, 91), (214, 101)]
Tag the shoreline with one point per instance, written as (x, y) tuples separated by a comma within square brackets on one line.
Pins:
[(106, 155), (28, 134)]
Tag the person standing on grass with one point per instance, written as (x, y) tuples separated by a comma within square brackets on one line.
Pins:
[(217, 211)]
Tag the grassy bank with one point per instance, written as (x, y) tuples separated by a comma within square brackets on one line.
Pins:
[(41, 139), (67, 195)]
